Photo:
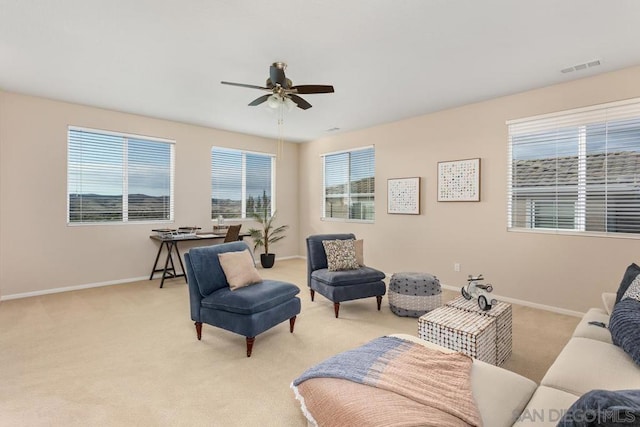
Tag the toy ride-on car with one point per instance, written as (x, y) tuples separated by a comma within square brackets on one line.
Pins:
[(475, 289)]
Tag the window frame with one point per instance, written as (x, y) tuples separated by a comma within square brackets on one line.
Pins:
[(579, 119), (323, 216), (125, 176), (243, 201)]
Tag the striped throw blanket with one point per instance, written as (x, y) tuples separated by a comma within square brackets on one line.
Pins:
[(390, 382)]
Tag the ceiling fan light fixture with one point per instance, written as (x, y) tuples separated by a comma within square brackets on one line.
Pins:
[(289, 104), (274, 101)]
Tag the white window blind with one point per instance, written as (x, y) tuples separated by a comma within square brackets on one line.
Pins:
[(117, 178), (349, 184), (577, 171), (242, 183)]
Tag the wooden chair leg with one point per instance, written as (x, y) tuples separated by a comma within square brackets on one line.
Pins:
[(292, 322), (379, 299), (250, 341), (199, 330), (313, 294), (336, 308)]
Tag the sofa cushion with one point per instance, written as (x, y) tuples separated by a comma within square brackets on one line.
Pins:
[(608, 300), (251, 299), (341, 254), (545, 408), (625, 327), (239, 269), (604, 408), (594, 332), (629, 275), (585, 364), (348, 277)]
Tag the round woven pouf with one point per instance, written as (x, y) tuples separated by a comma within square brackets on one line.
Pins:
[(414, 294)]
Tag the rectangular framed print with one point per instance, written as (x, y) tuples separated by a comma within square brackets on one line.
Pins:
[(403, 196), (459, 181)]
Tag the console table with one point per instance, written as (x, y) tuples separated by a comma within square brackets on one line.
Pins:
[(171, 243)]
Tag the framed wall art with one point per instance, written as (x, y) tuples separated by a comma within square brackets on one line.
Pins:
[(459, 181), (403, 196)]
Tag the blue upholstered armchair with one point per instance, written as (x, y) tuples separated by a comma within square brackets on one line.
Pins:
[(343, 285), (247, 311)]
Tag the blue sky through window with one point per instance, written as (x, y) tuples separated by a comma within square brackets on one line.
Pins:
[(96, 165), (226, 174)]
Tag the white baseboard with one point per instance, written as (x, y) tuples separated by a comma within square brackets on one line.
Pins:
[(96, 285), (70, 288), (291, 257), (135, 279), (525, 303)]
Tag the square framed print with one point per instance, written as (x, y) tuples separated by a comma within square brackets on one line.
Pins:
[(459, 181), (403, 196)]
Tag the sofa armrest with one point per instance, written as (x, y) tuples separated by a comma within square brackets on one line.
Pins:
[(609, 300)]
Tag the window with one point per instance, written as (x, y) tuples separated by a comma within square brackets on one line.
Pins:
[(577, 171), (242, 183), (349, 179), (118, 178)]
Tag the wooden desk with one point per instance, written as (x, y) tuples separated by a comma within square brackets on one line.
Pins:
[(169, 270)]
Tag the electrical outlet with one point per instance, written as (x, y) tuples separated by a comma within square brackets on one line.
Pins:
[(456, 267)]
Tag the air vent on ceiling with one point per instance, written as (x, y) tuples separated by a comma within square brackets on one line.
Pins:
[(580, 67), (333, 129)]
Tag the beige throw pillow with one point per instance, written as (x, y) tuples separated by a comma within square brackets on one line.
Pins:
[(239, 268), (359, 244), (341, 254)]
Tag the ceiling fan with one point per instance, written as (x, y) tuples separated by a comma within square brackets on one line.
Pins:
[(282, 88)]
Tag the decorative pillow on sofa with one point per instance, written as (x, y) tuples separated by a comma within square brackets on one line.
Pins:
[(633, 291), (624, 326), (629, 276), (341, 254), (239, 268), (604, 408), (359, 244)]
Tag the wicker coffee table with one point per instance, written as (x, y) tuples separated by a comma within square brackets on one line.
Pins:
[(459, 330), (502, 313)]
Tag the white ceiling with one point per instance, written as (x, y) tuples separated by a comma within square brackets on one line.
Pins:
[(387, 60)]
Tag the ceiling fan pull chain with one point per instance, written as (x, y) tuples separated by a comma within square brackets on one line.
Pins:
[(280, 146)]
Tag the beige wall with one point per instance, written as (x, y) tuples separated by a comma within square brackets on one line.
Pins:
[(38, 251), (562, 271)]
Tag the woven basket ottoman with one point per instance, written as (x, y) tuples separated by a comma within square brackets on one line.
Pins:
[(502, 313), (463, 331), (414, 294)]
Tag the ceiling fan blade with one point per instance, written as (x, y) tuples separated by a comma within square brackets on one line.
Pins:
[(245, 85), (301, 103), (277, 76), (259, 100), (305, 89)]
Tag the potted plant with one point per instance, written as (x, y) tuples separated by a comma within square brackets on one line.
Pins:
[(266, 235)]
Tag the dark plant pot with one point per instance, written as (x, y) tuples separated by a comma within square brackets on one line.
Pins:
[(267, 260)]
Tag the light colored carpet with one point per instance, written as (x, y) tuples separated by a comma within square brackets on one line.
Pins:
[(128, 355)]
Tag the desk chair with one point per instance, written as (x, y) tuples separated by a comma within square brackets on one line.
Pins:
[(233, 233)]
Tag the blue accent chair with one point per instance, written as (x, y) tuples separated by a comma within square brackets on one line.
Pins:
[(247, 311), (339, 286)]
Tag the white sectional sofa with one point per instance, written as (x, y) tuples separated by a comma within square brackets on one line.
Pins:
[(588, 361)]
